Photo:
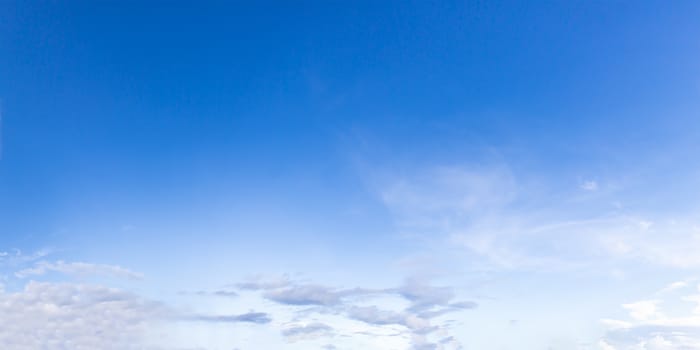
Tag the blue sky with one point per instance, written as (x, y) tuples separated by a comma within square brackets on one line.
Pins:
[(345, 175)]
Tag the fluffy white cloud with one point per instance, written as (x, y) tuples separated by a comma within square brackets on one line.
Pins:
[(74, 316), (650, 328)]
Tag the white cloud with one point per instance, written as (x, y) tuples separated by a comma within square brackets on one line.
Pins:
[(304, 295), (74, 316), (71, 316), (414, 318), (308, 331), (17, 257), (264, 283), (603, 345), (650, 328), (673, 286), (445, 196), (249, 317), (78, 268), (503, 223), (671, 243), (589, 185), (642, 310)]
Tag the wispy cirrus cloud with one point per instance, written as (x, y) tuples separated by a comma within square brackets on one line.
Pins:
[(18, 257), (502, 221), (79, 269)]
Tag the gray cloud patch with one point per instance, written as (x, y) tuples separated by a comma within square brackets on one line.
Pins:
[(423, 296), (250, 317), (263, 284), (304, 295), (224, 293), (452, 307), (216, 293), (426, 303), (284, 291), (373, 315), (310, 330)]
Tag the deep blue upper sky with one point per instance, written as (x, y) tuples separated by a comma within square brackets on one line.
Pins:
[(110, 106)]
